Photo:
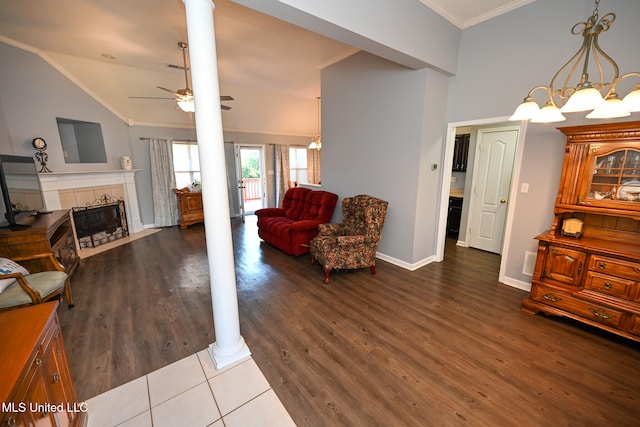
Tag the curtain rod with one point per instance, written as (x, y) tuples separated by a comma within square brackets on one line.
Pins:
[(142, 138)]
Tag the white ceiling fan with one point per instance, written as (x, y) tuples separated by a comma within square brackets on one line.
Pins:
[(184, 97)]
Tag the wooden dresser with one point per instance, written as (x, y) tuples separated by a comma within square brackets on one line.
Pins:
[(44, 242), (36, 386), (594, 276), (42, 234), (189, 207)]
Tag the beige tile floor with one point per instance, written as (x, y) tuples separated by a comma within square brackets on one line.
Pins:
[(192, 392)]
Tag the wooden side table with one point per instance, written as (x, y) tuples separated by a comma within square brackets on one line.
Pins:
[(189, 207)]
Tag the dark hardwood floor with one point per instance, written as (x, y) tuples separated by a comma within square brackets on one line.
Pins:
[(443, 345)]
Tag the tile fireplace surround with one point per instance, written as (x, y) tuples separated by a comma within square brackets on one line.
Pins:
[(63, 190)]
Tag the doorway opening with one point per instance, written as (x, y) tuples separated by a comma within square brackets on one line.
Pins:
[(487, 189), (251, 178)]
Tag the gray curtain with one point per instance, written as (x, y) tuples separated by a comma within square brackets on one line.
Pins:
[(282, 172), (163, 181), (313, 166)]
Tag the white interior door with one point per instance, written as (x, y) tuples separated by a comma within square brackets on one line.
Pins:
[(492, 181)]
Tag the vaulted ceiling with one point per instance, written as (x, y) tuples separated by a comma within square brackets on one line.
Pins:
[(119, 49)]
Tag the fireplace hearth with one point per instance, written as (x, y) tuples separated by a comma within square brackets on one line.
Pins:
[(100, 222)]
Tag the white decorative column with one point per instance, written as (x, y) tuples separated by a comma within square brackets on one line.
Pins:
[(229, 346)]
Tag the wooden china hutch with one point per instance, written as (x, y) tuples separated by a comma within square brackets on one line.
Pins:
[(588, 263)]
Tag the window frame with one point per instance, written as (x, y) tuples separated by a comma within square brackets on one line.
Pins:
[(298, 174), (194, 165)]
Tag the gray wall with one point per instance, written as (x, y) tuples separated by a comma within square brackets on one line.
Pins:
[(382, 127), (142, 160), (33, 94), (501, 60), (399, 31), (373, 140)]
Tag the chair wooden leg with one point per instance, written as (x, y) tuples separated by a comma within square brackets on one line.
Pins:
[(67, 293), (326, 274), (373, 269), (313, 259)]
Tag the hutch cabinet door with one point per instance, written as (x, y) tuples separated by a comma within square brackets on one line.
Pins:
[(611, 176), (564, 265), (59, 380)]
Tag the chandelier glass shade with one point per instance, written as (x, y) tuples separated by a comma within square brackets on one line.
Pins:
[(578, 92), (548, 114), (316, 141)]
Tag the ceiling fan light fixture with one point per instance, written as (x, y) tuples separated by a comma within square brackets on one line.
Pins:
[(184, 97), (187, 106)]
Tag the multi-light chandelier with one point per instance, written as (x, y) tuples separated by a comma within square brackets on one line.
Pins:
[(316, 142), (598, 96)]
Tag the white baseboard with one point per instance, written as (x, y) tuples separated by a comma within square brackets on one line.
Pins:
[(509, 281), (515, 283), (404, 264)]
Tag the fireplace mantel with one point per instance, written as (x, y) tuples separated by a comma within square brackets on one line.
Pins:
[(53, 182)]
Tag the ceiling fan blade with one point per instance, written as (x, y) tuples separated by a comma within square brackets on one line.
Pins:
[(179, 67), (226, 98), (168, 90), (225, 107)]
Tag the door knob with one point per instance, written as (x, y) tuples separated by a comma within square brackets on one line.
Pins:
[(503, 201)]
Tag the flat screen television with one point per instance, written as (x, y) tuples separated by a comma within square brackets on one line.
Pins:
[(21, 191)]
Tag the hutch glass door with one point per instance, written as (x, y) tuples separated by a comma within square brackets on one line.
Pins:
[(614, 176)]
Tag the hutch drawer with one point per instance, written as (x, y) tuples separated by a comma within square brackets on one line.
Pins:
[(586, 309), (635, 326), (610, 285), (615, 267)]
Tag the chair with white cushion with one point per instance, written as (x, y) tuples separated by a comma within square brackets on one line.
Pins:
[(20, 288)]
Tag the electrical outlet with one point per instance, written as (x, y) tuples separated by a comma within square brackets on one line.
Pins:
[(524, 187)]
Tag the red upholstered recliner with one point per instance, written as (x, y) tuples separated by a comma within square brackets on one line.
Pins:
[(291, 227)]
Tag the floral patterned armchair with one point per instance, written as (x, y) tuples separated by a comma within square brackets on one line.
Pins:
[(353, 243)]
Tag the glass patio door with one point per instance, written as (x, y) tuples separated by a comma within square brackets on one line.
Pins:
[(251, 178)]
